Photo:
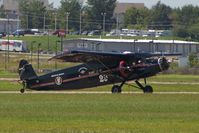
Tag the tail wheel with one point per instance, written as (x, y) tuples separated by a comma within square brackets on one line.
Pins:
[(148, 89), (22, 90), (116, 89), (24, 87)]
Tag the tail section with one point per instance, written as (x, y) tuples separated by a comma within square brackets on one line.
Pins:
[(26, 71)]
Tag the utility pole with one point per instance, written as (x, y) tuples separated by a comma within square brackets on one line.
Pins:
[(56, 52), (44, 28), (104, 22), (32, 50), (8, 44), (117, 24), (17, 21), (27, 19), (80, 22), (67, 15), (38, 52)]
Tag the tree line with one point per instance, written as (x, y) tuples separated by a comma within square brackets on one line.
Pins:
[(182, 21), (34, 14)]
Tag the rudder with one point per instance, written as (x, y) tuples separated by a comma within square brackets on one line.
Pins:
[(26, 71)]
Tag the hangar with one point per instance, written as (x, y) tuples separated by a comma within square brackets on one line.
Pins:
[(138, 46)]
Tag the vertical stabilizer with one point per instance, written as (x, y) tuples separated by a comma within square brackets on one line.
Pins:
[(26, 71)]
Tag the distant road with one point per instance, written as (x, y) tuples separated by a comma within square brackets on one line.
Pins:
[(96, 92)]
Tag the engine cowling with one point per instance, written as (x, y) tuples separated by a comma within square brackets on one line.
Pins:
[(163, 63)]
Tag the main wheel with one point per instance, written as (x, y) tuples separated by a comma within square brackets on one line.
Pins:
[(116, 89), (22, 90), (148, 89)]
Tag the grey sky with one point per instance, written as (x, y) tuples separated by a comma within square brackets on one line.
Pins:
[(150, 3)]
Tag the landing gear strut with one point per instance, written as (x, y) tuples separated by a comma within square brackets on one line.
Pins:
[(24, 86), (146, 89), (116, 89)]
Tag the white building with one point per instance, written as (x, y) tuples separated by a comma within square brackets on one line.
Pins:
[(138, 46), (13, 25), (1, 2)]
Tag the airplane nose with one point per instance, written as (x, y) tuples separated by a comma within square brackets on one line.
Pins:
[(163, 63)]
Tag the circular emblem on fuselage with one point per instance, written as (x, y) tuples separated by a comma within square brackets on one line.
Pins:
[(58, 80), (83, 71)]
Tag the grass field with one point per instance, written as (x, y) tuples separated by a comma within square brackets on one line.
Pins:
[(81, 113), (97, 113)]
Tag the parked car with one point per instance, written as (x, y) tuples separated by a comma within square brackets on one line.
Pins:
[(2, 34), (94, 32), (60, 32), (85, 32), (18, 33)]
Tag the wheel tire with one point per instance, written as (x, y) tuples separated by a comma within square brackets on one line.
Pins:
[(116, 89), (148, 89), (22, 90)]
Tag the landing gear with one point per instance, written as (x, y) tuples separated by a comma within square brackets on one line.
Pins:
[(146, 89), (116, 89), (24, 87), (22, 90)]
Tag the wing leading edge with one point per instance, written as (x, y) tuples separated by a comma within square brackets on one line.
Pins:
[(88, 56), (79, 56)]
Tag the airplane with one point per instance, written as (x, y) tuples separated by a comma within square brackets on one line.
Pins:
[(96, 69)]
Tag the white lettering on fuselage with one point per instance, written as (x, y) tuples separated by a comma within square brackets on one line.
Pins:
[(103, 78), (56, 75)]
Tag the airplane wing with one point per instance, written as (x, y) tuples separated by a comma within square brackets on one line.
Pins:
[(88, 56)]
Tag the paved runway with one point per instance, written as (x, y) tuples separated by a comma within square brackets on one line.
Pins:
[(95, 92)]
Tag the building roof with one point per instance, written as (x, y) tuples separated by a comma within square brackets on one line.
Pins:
[(122, 7), (140, 41)]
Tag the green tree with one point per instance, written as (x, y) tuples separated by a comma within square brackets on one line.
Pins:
[(33, 13), (193, 60), (2, 12), (95, 11), (185, 22), (161, 17), (73, 8), (137, 18)]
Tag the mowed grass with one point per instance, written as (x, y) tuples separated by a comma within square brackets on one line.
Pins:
[(175, 78), (83, 113)]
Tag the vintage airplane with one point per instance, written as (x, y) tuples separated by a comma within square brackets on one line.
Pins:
[(97, 69)]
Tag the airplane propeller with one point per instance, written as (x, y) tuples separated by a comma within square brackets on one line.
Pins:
[(163, 63)]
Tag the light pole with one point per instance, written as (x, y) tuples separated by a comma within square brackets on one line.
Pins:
[(8, 38), (104, 21), (5, 59), (80, 22), (17, 21), (38, 52), (27, 19), (31, 47), (44, 28), (56, 48), (67, 15), (117, 24)]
